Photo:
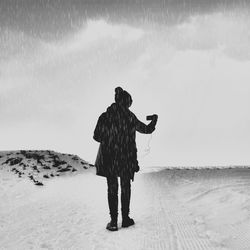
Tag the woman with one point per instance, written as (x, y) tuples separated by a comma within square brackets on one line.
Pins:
[(117, 155)]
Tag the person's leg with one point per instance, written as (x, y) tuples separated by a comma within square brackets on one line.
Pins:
[(125, 196), (125, 201), (113, 202)]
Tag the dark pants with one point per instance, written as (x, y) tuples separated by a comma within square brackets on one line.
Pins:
[(113, 196)]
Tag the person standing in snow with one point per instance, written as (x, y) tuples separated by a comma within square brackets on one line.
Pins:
[(117, 154)]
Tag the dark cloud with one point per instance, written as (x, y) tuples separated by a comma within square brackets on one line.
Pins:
[(53, 19)]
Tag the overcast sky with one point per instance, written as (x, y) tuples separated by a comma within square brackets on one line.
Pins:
[(187, 61)]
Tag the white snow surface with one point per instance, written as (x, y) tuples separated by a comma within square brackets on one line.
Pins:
[(173, 209)]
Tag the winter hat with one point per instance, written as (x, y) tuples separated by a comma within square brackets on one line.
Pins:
[(122, 97)]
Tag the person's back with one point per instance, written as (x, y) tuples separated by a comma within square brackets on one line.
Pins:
[(117, 155)]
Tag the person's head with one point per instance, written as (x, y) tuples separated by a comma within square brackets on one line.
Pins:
[(122, 97)]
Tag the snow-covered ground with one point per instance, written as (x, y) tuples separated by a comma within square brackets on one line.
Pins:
[(173, 209)]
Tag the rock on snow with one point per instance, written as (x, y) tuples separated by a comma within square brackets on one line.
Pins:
[(39, 165)]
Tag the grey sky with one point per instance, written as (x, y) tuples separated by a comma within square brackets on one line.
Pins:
[(188, 61), (50, 19)]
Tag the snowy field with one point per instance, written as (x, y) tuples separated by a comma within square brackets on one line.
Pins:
[(173, 209)]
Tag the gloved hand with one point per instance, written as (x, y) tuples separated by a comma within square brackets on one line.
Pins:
[(155, 117), (152, 117)]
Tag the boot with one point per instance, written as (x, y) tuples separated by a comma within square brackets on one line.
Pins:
[(125, 202), (113, 204), (113, 211), (127, 221), (112, 225)]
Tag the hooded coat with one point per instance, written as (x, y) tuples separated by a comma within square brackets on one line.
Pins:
[(116, 131)]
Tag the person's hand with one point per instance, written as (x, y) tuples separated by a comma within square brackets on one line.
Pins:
[(155, 117)]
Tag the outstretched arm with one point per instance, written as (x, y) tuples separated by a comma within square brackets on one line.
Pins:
[(146, 129)]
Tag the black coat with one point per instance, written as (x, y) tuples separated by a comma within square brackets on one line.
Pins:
[(115, 130)]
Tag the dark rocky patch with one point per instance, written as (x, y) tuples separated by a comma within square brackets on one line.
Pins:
[(64, 170), (13, 161), (38, 183), (75, 158), (37, 164), (58, 162), (35, 167)]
